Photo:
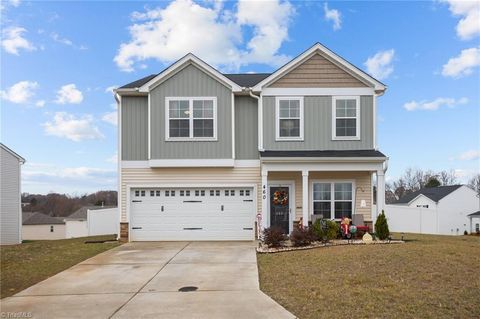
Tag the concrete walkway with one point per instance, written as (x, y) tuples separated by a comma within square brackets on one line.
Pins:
[(142, 280)]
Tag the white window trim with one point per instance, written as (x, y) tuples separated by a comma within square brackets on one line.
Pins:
[(277, 118), (190, 118), (332, 195), (334, 117)]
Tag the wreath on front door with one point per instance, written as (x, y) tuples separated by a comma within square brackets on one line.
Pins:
[(280, 198)]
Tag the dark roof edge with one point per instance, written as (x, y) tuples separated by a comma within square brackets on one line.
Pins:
[(324, 153)]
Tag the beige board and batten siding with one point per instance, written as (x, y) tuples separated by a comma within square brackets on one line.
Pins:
[(191, 82), (10, 216), (210, 177), (363, 185), (317, 71), (318, 126), (246, 128), (134, 128)]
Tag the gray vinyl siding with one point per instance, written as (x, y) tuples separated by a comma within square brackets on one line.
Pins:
[(10, 216), (191, 82), (318, 126), (246, 128), (134, 128)]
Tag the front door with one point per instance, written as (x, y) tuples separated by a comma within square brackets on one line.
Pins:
[(280, 207)]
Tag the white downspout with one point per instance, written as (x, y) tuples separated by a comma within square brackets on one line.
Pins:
[(260, 118)]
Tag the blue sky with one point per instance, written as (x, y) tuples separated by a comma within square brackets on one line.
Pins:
[(69, 53)]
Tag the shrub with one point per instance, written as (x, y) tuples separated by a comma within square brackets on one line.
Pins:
[(465, 232), (330, 233), (302, 237), (381, 227), (273, 237)]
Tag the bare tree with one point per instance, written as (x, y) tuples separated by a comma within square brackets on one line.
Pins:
[(474, 183), (447, 177)]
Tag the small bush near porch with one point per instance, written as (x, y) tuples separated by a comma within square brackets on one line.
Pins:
[(427, 277)]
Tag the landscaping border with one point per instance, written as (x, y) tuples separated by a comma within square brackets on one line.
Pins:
[(263, 249)]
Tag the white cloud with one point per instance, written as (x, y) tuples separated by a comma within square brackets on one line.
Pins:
[(380, 65), (113, 159), (435, 104), (463, 64), (212, 33), (469, 24), (110, 117), (40, 103), (333, 15), (469, 155), (57, 38), (44, 178), (464, 174), (20, 92), (73, 128), (110, 89), (69, 94), (15, 3), (13, 40)]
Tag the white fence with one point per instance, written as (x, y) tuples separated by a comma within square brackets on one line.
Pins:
[(412, 219), (103, 221)]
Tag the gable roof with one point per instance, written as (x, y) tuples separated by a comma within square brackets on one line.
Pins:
[(26, 215), (433, 193), (190, 58), (475, 214), (81, 213), (42, 219), (327, 53), (7, 149)]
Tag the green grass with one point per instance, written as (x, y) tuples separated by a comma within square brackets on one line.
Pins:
[(427, 277), (33, 261)]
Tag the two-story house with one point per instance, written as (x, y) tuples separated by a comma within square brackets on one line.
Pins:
[(205, 155)]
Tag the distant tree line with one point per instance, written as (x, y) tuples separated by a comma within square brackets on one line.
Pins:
[(414, 179), (62, 205)]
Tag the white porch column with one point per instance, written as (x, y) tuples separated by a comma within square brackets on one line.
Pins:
[(264, 191), (305, 197), (380, 192)]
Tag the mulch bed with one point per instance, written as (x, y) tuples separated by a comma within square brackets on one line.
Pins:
[(264, 249)]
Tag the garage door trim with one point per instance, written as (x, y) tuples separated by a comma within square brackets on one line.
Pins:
[(129, 188)]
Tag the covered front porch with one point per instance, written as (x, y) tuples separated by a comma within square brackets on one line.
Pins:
[(297, 190)]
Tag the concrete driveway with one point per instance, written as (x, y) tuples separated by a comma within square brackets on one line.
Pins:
[(142, 280)]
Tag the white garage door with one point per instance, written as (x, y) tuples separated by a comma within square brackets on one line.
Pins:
[(192, 214)]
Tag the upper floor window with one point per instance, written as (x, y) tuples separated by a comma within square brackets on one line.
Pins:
[(191, 118), (289, 118), (346, 118)]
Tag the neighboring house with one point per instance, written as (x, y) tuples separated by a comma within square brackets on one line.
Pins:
[(10, 202), (39, 226), (440, 210), (204, 155), (474, 222), (92, 221)]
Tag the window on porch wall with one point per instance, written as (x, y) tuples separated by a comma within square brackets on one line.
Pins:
[(339, 205)]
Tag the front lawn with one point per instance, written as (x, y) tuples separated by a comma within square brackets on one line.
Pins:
[(24, 265), (427, 277)]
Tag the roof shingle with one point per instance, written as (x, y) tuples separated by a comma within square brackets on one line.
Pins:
[(434, 193)]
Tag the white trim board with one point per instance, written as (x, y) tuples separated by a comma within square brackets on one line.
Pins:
[(227, 162), (145, 164), (316, 91)]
